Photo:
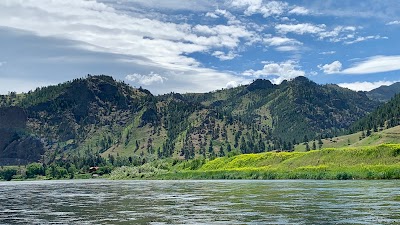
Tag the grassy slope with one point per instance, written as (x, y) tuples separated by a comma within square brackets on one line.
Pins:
[(374, 162), (389, 136)]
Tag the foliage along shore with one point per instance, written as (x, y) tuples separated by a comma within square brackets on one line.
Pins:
[(371, 162)]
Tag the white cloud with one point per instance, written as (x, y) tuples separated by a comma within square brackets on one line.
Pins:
[(228, 15), (149, 79), (299, 11), (269, 8), (232, 84), (282, 44), (366, 86), (287, 48), (280, 71), (360, 39), (168, 5), (212, 15), (223, 57), (375, 64), (339, 33), (278, 41), (2, 63), (395, 22), (301, 28), (150, 43), (327, 53), (334, 67), (346, 34), (224, 13)]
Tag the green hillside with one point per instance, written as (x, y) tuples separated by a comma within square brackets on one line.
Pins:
[(293, 107), (388, 136), (97, 120), (386, 116), (374, 162)]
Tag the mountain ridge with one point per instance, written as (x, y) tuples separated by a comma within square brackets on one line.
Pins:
[(98, 115)]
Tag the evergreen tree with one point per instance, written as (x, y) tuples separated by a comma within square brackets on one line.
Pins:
[(211, 149), (307, 147), (221, 152), (314, 146), (228, 147)]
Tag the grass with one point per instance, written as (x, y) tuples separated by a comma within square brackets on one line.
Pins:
[(388, 136), (374, 162)]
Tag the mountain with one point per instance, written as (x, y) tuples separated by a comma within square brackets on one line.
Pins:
[(98, 116), (385, 116), (384, 93), (292, 108), (65, 117)]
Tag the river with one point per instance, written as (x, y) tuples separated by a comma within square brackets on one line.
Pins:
[(200, 202)]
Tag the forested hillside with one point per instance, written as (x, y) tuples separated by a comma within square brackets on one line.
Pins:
[(386, 116), (79, 121), (384, 93)]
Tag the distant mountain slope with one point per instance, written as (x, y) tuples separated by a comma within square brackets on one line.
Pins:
[(294, 107), (386, 116), (384, 93), (98, 115)]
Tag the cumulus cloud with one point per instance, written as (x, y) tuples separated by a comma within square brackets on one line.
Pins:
[(278, 41), (299, 11), (282, 44), (224, 56), (375, 64), (395, 22), (345, 34), (366, 86), (137, 38), (149, 79), (278, 71), (103, 28), (265, 8), (334, 67), (228, 15), (301, 28), (212, 15), (232, 84)]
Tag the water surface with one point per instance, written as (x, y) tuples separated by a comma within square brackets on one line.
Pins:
[(200, 202)]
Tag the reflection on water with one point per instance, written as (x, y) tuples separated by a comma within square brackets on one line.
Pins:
[(200, 202)]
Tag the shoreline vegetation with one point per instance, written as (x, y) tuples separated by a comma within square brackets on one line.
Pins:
[(371, 162)]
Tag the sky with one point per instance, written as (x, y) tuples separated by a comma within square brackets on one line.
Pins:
[(199, 46)]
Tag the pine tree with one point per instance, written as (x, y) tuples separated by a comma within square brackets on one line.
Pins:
[(221, 152), (228, 147), (320, 143), (211, 149)]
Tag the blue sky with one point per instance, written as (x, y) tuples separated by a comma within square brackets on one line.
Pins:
[(198, 46)]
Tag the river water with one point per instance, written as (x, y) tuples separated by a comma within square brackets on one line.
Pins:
[(200, 202)]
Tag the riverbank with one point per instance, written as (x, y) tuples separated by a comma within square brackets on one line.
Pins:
[(372, 162)]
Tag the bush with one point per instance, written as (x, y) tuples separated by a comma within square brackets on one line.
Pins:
[(34, 169), (8, 173)]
